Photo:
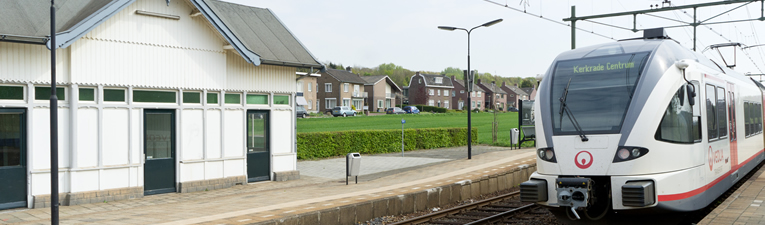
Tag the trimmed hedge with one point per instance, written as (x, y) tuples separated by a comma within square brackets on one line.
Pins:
[(327, 144), (427, 108)]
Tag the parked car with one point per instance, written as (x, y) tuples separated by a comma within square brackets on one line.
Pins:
[(512, 109), (301, 112), (411, 110), (394, 110), (343, 111)]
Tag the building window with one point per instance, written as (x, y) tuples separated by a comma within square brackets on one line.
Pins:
[(154, 96), (281, 99), (472, 104), (497, 95), (299, 86), (232, 99), (439, 103), (114, 95), (328, 87), (212, 98), (439, 92), (439, 80), (479, 104), (43, 93), (192, 97), (430, 91), (87, 94), (258, 99), (446, 104), (479, 94), (454, 93), (12, 92), (310, 103), (330, 103), (309, 89), (472, 94), (462, 91), (345, 87), (431, 102), (379, 103)]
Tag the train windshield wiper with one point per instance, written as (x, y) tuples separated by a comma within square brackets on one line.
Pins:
[(564, 108)]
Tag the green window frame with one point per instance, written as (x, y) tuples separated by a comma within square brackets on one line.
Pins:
[(212, 98), (257, 99), (192, 97), (281, 99), (12, 92), (114, 95), (233, 98), (43, 93), (87, 94), (154, 96)]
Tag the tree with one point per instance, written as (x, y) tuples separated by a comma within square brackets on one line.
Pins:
[(453, 71)]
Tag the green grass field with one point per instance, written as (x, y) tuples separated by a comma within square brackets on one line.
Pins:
[(481, 120)]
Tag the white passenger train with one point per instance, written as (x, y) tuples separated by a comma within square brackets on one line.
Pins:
[(642, 125)]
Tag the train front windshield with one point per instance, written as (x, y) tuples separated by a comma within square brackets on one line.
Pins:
[(599, 92)]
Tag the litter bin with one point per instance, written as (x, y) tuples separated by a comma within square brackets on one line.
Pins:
[(352, 164), (514, 133)]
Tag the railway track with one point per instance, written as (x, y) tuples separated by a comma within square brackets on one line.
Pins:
[(503, 209)]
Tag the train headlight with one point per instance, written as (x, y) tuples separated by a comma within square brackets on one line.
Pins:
[(623, 154), (547, 154), (626, 153)]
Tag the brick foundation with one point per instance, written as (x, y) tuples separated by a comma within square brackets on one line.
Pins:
[(86, 197), (287, 175), (214, 184)]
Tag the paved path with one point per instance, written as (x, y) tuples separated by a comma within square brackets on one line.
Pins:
[(744, 206), (261, 201)]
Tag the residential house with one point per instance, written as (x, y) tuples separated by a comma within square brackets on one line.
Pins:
[(380, 92), (514, 94), (306, 91), (153, 97), (458, 95), (340, 88), (405, 95), (495, 96), (429, 89), (532, 91)]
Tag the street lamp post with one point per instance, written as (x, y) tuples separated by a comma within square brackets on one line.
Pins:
[(468, 79)]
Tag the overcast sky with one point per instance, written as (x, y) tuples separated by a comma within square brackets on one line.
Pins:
[(404, 32)]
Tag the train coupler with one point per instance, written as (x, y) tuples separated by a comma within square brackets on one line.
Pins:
[(574, 193)]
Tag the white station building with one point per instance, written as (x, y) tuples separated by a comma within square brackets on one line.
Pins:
[(155, 96)]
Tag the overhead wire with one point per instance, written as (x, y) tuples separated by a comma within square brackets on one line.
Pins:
[(548, 19)]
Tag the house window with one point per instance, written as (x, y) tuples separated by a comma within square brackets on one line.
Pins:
[(431, 102), (439, 80), (43, 93), (439, 92), (212, 98), (430, 91), (472, 104), (310, 102), (387, 103), (328, 87), (462, 91), (232, 99), (192, 97), (446, 104), (379, 103), (154, 96), (345, 87), (281, 99), (512, 95), (439, 103), (472, 94), (330, 103), (454, 93), (497, 95), (299, 86), (346, 102), (87, 94), (479, 94), (309, 89), (317, 104), (460, 105), (419, 81), (12, 92), (257, 99)]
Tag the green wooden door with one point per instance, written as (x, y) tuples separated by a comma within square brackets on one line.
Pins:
[(13, 170), (258, 154), (159, 147)]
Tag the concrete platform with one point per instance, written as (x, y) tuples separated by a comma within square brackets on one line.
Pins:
[(421, 180), (744, 206)]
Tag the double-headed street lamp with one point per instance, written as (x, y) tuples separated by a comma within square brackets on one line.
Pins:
[(468, 79)]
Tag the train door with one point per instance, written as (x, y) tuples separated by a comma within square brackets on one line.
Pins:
[(13, 170), (732, 126), (718, 149)]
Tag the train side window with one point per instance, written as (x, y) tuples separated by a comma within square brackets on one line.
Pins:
[(711, 115), (722, 119), (696, 113), (747, 119), (678, 124)]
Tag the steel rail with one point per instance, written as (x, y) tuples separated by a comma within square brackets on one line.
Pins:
[(499, 217), (455, 210)]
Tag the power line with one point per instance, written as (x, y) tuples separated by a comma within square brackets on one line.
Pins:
[(548, 19)]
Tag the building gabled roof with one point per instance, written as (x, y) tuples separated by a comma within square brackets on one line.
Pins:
[(28, 21), (255, 33), (517, 90), (264, 34), (489, 86), (462, 83), (372, 80), (345, 76), (528, 90)]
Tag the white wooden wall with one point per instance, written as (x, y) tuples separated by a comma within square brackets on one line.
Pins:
[(101, 144)]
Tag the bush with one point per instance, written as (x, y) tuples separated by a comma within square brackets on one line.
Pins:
[(427, 108), (327, 144)]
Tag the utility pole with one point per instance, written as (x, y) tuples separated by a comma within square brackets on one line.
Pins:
[(53, 120), (494, 127)]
